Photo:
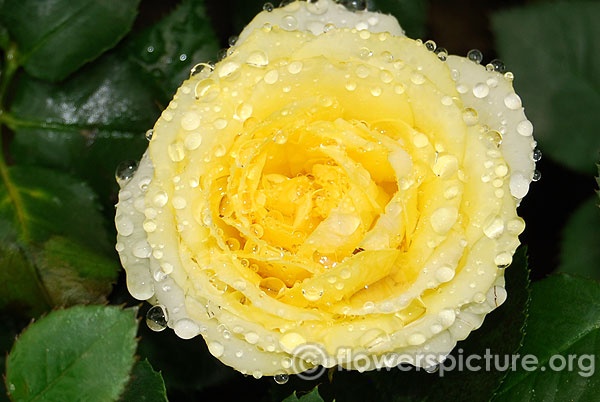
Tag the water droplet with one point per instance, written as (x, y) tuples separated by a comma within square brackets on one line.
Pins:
[(376, 91), (295, 67), (417, 78), (362, 71), (125, 171), (470, 116), (475, 56), (525, 128), (386, 56), (186, 328), (280, 138), (503, 260), (272, 286), (149, 226), (386, 77), (447, 101), (344, 224), (519, 185), (442, 53), (251, 337), (271, 77), (149, 134), (516, 226), (190, 121), (220, 124), (124, 225), (290, 340), (142, 249), (498, 66), (443, 219), (537, 175), (509, 76), (512, 101), (444, 274), (481, 90), (179, 203), (232, 40), (176, 151), (228, 69), (501, 170), (156, 318), (257, 58), (537, 155), (216, 349), (243, 111), (445, 166), (430, 45), (281, 378), (494, 228), (420, 140), (206, 90), (200, 67), (220, 150), (416, 339), (312, 293), (365, 53), (268, 7), (290, 22), (192, 141)]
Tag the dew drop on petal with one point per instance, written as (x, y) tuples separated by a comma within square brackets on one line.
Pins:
[(295, 67), (156, 318), (257, 58), (512, 101), (281, 378), (444, 274), (475, 56), (481, 90), (503, 260), (125, 171), (443, 219), (525, 128)]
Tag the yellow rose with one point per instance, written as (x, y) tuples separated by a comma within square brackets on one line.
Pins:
[(330, 184)]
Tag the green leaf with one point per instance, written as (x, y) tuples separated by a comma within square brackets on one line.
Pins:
[(312, 396), (26, 294), (86, 125), (11, 326), (168, 50), (82, 353), (598, 180), (73, 274), (145, 385), (549, 46), (412, 14), (54, 240), (580, 252), (59, 36), (37, 203), (564, 321)]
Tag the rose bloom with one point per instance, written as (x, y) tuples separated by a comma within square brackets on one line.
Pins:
[(331, 185)]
